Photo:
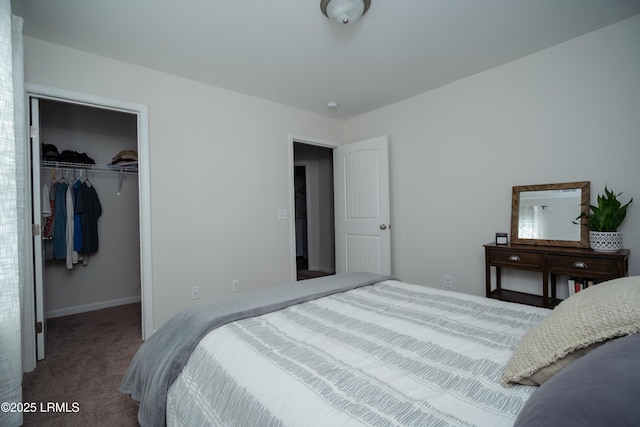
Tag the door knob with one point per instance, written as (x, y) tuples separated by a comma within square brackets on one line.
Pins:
[(383, 226)]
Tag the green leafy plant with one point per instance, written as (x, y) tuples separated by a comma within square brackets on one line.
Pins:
[(608, 215)]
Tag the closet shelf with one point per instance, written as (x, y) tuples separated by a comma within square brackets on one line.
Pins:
[(122, 171), (94, 168)]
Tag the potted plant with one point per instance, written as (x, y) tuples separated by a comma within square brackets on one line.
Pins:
[(603, 221)]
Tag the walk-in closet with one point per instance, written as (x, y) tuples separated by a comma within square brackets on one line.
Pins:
[(96, 148)]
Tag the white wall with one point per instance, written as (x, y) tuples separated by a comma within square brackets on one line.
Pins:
[(213, 153), (568, 113)]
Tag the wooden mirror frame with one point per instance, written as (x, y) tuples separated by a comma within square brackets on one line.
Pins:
[(585, 186)]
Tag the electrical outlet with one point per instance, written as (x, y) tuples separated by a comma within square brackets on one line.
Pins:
[(195, 292), (447, 282), (235, 286)]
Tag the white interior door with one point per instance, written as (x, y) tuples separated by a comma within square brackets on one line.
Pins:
[(363, 235), (38, 249)]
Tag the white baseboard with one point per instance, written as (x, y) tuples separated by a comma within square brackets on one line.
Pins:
[(91, 307)]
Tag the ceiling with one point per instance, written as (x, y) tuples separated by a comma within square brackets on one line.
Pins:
[(287, 51)]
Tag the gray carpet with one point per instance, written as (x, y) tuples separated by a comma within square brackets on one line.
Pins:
[(87, 355)]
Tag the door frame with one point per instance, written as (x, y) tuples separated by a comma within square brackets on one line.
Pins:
[(144, 202), (38, 245), (293, 138), (305, 165)]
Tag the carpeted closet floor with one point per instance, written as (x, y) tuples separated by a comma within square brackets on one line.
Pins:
[(87, 355)]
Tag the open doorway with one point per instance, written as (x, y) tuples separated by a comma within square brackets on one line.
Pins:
[(94, 262), (314, 210), (34, 290)]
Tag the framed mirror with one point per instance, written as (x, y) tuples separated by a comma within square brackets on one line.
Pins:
[(545, 214)]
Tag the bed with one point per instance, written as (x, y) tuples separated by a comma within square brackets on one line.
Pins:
[(356, 350)]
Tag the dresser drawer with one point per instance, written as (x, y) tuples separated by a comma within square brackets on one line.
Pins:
[(582, 266), (515, 259)]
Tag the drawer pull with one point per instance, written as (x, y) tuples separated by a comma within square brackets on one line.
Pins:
[(515, 258), (580, 264)]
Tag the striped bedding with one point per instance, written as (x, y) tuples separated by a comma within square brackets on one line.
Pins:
[(389, 354)]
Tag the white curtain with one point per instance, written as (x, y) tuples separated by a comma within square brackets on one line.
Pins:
[(12, 211)]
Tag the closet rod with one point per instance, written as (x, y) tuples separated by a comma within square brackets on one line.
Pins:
[(122, 171)]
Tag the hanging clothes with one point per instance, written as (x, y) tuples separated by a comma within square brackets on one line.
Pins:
[(60, 222), (46, 204), (69, 226), (75, 209), (92, 211), (48, 207), (48, 210), (78, 210), (74, 238)]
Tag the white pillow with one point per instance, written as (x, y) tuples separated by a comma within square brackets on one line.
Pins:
[(575, 327)]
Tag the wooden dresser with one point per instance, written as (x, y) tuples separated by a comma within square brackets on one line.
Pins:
[(550, 261)]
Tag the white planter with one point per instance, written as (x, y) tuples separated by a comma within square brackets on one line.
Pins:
[(605, 241)]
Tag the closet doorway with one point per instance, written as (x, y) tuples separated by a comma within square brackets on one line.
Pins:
[(92, 130), (314, 210)]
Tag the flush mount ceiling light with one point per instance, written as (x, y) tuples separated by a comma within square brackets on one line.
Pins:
[(344, 11)]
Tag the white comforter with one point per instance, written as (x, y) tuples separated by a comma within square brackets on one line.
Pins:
[(389, 354)]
